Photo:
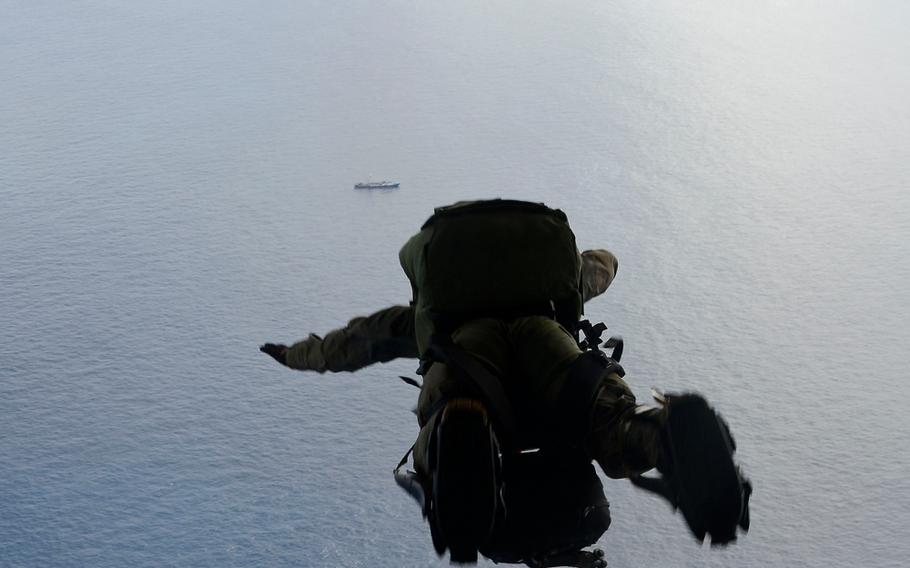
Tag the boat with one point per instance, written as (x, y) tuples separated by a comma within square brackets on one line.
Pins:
[(376, 185)]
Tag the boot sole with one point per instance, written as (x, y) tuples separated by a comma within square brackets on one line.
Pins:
[(709, 483), (464, 491)]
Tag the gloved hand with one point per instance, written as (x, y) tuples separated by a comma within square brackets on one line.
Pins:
[(277, 351)]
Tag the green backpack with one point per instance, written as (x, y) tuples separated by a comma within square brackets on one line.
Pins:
[(494, 258)]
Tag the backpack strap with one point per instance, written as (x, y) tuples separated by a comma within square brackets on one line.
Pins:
[(489, 387)]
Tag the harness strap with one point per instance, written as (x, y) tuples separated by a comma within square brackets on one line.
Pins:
[(490, 388)]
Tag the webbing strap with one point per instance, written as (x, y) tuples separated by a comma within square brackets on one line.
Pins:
[(404, 459), (488, 385)]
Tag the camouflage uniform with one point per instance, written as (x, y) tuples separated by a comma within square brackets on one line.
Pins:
[(533, 354)]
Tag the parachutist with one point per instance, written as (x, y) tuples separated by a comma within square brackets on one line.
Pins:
[(499, 288)]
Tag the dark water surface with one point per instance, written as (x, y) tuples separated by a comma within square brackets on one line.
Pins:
[(176, 189)]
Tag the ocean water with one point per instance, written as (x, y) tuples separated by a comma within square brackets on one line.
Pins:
[(175, 189)]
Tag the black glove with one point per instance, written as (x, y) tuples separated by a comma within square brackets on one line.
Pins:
[(276, 351)]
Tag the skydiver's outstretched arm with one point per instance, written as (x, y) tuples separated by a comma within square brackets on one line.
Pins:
[(377, 338)]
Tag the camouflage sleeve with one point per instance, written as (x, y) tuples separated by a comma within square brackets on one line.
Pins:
[(598, 269), (377, 338)]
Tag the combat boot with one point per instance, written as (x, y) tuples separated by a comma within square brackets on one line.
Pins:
[(699, 475), (464, 458)]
